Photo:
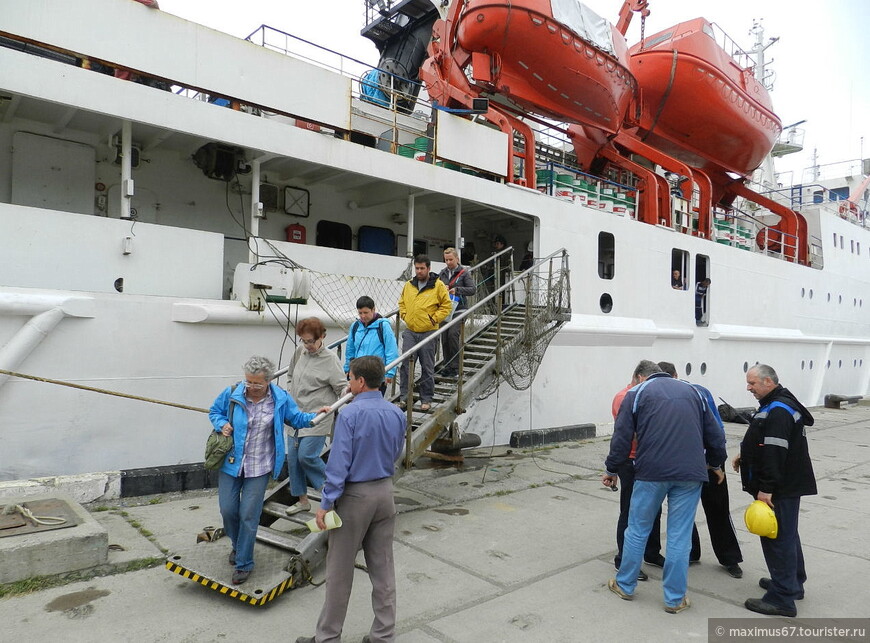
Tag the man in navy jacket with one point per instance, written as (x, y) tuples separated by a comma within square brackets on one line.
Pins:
[(678, 439)]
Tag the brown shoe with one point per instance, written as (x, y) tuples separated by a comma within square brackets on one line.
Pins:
[(614, 587), (240, 576), (676, 609)]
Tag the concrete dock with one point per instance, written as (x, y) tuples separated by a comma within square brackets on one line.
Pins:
[(514, 546)]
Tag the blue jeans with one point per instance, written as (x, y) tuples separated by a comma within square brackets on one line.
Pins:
[(241, 504), (646, 502), (784, 556), (303, 461)]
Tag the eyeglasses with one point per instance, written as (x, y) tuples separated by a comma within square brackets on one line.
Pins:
[(254, 385), (308, 342)]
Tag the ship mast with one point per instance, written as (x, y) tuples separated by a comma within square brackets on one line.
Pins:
[(765, 77)]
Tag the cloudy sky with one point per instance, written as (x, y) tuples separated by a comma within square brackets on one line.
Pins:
[(819, 60)]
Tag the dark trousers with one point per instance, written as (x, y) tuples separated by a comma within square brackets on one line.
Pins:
[(784, 556), (723, 538), (654, 542), (450, 346)]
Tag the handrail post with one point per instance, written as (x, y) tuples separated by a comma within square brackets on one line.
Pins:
[(460, 370), (409, 411)]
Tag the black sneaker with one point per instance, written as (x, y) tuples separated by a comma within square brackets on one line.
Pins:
[(764, 583), (734, 570), (232, 558), (656, 562), (641, 575), (762, 607)]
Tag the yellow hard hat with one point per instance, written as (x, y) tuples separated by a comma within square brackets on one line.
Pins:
[(761, 520)]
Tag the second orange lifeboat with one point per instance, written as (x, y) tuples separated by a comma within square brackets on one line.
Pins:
[(700, 104), (557, 59)]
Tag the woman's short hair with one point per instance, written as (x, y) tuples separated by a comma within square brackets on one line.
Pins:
[(259, 365), (311, 325)]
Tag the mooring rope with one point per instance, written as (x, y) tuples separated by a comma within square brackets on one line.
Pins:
[(37, 520), (103, 391)]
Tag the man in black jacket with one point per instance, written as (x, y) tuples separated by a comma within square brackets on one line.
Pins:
[(775, 467)]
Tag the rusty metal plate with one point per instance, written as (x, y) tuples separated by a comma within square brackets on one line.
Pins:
[(48, 508)]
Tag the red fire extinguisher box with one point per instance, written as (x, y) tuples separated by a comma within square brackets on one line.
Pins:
[(295, 233)]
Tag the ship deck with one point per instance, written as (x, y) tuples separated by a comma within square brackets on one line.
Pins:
[(516, 546)]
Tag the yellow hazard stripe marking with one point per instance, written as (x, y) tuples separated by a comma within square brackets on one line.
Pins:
[(224, 589)]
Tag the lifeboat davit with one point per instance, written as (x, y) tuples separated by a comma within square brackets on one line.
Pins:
[(556, 58), (700, 104)]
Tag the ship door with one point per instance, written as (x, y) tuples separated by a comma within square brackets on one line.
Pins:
[(702, 290)]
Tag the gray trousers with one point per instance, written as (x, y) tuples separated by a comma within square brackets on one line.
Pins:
[(426, 358), (368, 517)]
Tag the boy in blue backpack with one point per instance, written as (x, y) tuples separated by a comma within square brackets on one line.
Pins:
[(371, 334)]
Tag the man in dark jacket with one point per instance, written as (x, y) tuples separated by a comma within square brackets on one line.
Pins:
[(775, 467), (677, 440), (460, 285)]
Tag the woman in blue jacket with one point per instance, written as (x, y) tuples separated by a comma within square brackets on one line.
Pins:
[(253, 412)]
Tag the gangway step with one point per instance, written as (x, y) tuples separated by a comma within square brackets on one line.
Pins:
[(278, 538), (278, 510)]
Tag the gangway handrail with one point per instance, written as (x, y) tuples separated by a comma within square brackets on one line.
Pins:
[(395, 311), (456, 319)]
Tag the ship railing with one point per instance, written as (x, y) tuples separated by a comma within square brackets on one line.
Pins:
[(741, 229), (388, 95), (815, 195), (737, 53), (537, 285), (573, 184), (484, 275)]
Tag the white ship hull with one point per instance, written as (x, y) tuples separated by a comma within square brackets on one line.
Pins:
[(173, 334)]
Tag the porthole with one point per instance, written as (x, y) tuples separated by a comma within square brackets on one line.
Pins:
[(854, 301), (811, 293), (688, 369), (803, 364), (606, 303), (840, 299), (703, 368), (854, 363), (829, 363), (829, 297), (745, 366), (811, 364), (839, 363), (803, 292)]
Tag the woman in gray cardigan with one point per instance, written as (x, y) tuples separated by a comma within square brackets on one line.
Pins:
[(317, 380)]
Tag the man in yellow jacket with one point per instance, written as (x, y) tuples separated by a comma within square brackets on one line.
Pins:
[(423, 305)]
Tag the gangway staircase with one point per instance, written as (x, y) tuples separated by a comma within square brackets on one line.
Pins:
[(505, 333)]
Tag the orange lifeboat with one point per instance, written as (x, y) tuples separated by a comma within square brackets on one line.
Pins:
[(699, 104), (559, 59)]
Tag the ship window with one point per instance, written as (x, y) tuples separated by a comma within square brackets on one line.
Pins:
[(852, 245), (652, 42), (606, 303), (841, 242), (679, 264), (835, 239), (606, 255), (331, 234)]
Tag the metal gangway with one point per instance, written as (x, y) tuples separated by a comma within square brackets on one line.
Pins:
[(503, 336)]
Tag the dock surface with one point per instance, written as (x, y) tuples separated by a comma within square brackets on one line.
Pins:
[(514, 546)]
